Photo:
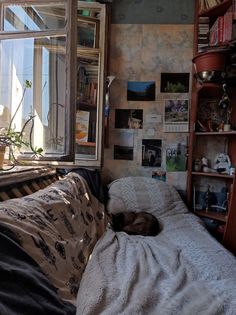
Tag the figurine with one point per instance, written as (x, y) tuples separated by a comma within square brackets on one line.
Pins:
[(222, 163)]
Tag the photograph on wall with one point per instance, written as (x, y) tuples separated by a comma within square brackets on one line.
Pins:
[(129, 118), (141, 91), (151, 152), (159, 175), (176, 157), (176, 115), (123, 145), (174, 82)]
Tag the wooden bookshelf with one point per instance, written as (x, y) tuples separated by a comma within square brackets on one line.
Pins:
[(217, 10), (216, 175), (86, 144), (216, 133), (212, 215)]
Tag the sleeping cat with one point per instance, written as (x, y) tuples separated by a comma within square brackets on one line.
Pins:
[(133, 223)]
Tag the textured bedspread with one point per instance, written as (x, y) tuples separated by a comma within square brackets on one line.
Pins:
[(183, 271)]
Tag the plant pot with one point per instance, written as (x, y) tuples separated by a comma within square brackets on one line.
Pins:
[(2, 153), (210, 65)]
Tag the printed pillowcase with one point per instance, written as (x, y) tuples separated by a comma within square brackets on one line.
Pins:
[(57, 231)]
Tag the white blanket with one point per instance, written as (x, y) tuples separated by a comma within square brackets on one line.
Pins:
[(181, 271)]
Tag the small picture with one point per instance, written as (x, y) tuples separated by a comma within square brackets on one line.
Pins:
[(123, 153), (176, 158), (151, 152), (82, 126), (124, 143), (176, 115), (174, 82), (129, 118), (141, 91), (159, 175)]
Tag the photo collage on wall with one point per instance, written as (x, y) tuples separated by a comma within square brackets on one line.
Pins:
[(175, 119)]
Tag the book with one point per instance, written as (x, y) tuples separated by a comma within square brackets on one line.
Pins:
[(216, 32), (82, 126), (228, 25)]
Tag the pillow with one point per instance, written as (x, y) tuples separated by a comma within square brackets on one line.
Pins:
[(58, 227), (143, 194)]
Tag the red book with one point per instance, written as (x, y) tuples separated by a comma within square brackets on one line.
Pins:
[(228, 25)]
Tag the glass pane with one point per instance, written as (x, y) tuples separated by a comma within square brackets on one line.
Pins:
[(88, 28), (41, 61), (34, 17), (87, 99)]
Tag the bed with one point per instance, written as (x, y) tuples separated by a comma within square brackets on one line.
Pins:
[(58, 256), (183, 270)]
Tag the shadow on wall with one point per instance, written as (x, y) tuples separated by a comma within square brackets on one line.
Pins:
[(153, 12)]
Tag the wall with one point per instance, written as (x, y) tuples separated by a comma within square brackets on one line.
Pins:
[(141, 52)]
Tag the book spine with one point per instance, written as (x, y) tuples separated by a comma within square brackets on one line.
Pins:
[(228, 25)]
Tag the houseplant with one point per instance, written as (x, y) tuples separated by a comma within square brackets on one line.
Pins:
[(13, 139)]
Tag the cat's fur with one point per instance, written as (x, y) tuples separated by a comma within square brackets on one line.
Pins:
[(133, 223)]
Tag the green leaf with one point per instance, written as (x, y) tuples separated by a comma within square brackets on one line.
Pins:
[(28, 84)]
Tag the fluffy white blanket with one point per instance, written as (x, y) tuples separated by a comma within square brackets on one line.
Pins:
[(180, 271)]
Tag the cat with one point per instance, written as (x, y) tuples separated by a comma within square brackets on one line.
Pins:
[(133, 223)]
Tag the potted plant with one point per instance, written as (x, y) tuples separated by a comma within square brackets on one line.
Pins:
[(13, 139)]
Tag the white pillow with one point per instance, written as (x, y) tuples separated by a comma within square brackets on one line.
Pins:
[(144, 194)]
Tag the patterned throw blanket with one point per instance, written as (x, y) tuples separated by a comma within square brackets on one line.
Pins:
[(58, 227)]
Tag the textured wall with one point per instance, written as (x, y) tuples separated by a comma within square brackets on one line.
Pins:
[(153, 11), (141, 53)]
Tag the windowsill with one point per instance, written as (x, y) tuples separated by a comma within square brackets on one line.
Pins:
[(23, 173)]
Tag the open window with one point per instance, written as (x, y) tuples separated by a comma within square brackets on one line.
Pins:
[(57, 45)]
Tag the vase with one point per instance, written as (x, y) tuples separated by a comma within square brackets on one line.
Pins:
[(2, 153), (210, 65)]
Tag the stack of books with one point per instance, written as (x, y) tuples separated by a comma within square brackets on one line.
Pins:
[(203, 33), (223, 30)]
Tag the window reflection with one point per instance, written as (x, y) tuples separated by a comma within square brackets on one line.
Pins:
[(42, 61), (34, 17)]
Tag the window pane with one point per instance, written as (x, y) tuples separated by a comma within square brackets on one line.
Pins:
[(42, 61), (34, 17), (88, 28)]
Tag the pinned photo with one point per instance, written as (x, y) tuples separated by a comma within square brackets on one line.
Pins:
[(124, 145), (151, 152), (141, 91), (129, 118)]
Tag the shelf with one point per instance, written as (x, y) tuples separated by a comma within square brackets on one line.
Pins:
[(216, 133), (212, 215), (217, 10), (84, 105), (86, 144), (216, 175)]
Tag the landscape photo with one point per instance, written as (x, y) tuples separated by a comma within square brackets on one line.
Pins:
[(174, 82), (176, 111), (141, 91), (124, 143)]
